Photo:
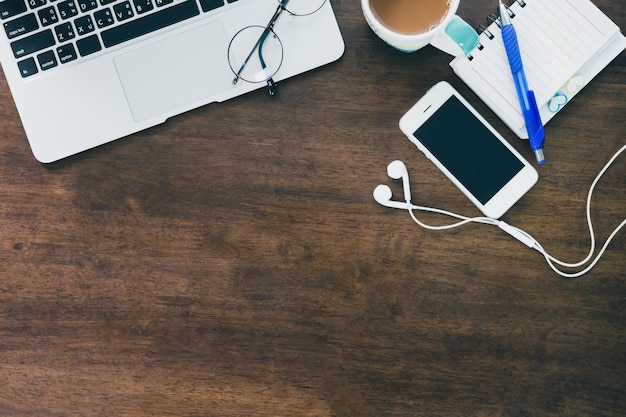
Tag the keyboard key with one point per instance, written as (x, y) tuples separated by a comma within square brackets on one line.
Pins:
[(47, 16), (10, 8), (123, 11), (143, 6), (160, 3), (47, 60), (21, 26), (27, 67), (32, 43), (89, 45), (87, 5), (67, 9), (66, 53), (103, 18), (210, 4), (65, 32), (149, 23), (105, 2), (84, 25), (36, 3)]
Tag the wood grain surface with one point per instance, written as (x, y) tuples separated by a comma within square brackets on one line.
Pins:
[(232, 261)]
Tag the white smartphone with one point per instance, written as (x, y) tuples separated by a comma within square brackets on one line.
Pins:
[(469, 151)]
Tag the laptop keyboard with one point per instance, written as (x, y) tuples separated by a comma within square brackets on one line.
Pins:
[(44, 34)]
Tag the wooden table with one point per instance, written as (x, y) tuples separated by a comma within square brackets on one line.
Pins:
[(232, 262)]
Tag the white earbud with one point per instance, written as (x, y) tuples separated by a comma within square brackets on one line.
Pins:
[(382, 193), (396, 170)]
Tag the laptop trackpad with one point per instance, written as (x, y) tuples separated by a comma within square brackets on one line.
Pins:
[(176, 72)]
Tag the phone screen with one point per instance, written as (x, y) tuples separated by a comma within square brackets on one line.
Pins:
[(468, 149)]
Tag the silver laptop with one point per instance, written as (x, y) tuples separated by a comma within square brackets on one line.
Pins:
[(86, 72)]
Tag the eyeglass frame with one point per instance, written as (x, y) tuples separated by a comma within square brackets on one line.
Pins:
[(268, 29)]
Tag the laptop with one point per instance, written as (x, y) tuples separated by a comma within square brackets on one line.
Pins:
[(87, 72)]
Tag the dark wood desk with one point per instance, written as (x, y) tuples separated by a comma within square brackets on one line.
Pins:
[(232, 262)]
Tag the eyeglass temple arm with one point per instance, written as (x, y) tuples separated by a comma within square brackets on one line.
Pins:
[(259, 44), (271, 85)]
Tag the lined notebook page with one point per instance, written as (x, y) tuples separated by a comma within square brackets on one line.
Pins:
[(557, 38)]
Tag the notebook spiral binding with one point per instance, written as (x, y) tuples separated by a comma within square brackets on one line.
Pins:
[(491, 19)]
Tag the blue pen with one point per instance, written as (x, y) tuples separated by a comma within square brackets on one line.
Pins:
[(526, 97)]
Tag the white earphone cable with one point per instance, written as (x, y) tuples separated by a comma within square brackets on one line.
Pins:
[(464, 219), (529, 240)]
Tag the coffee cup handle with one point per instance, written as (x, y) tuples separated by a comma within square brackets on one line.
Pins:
[(457, 39)]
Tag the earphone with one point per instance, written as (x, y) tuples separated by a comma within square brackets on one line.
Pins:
[(382, 194), (397, 170)]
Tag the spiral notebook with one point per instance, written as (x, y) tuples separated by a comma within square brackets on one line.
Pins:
[(564, 45)]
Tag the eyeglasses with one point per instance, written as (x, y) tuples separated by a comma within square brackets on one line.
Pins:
[(263, 42)]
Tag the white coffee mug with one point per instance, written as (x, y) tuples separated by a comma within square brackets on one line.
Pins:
[(452, 35)]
